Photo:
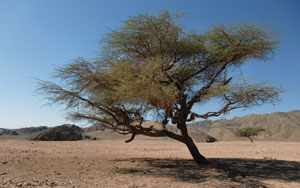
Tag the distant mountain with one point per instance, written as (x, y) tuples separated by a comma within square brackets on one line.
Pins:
[(8, 132), (27, 132), (31, 130), (100, 133), (280, 126)]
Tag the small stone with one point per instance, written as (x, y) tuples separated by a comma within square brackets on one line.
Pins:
[(56, 173), (53, 183), (26, 184)]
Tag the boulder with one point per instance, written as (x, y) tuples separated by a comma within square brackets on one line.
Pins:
[(59, 133), (210, 139), (74, 127), (200, 136)]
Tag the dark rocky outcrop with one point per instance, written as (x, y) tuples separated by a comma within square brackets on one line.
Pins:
[(59, 133), (74, 127)]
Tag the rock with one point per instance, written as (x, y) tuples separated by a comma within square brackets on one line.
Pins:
[(26, 184), (59, 133), (88, 137), (14, 133), (74, 127), (200, 136), (210, 139)]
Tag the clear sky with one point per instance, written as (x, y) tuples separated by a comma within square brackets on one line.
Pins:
[(38, 35)]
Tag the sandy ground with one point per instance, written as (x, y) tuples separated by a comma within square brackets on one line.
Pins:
[(113, 163)]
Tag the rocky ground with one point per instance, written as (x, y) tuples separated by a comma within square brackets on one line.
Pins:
[(113, 163)]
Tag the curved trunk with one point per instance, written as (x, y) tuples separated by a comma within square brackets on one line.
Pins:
[(188, 141), (198, 158)]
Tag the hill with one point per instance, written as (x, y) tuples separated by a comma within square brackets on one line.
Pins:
[(8, 132), (280, 126)]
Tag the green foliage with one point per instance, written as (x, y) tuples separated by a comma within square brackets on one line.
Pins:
[(151, 64), (249, 132)]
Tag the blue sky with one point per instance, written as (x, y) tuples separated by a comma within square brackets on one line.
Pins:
[(38, 35)]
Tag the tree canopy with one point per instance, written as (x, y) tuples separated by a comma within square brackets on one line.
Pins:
[(249, 132), (150, 64)]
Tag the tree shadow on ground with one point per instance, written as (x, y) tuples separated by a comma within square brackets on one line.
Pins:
[(235, 172)]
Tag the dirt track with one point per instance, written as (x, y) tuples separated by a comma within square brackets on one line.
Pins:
[(113, 163)]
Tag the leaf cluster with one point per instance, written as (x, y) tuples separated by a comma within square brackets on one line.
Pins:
[(249, 131)]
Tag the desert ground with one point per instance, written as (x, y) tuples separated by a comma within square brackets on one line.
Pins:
[(113, 163)]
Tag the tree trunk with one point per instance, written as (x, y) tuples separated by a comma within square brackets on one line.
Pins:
[(251, 139), (199, 159)]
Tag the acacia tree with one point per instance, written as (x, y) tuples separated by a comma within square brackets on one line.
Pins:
[(150, 64), (249, 132)]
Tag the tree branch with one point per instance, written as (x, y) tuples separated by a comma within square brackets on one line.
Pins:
[(201, 92)]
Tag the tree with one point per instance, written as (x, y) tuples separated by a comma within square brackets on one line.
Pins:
[(151, 66), (249, 132)]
